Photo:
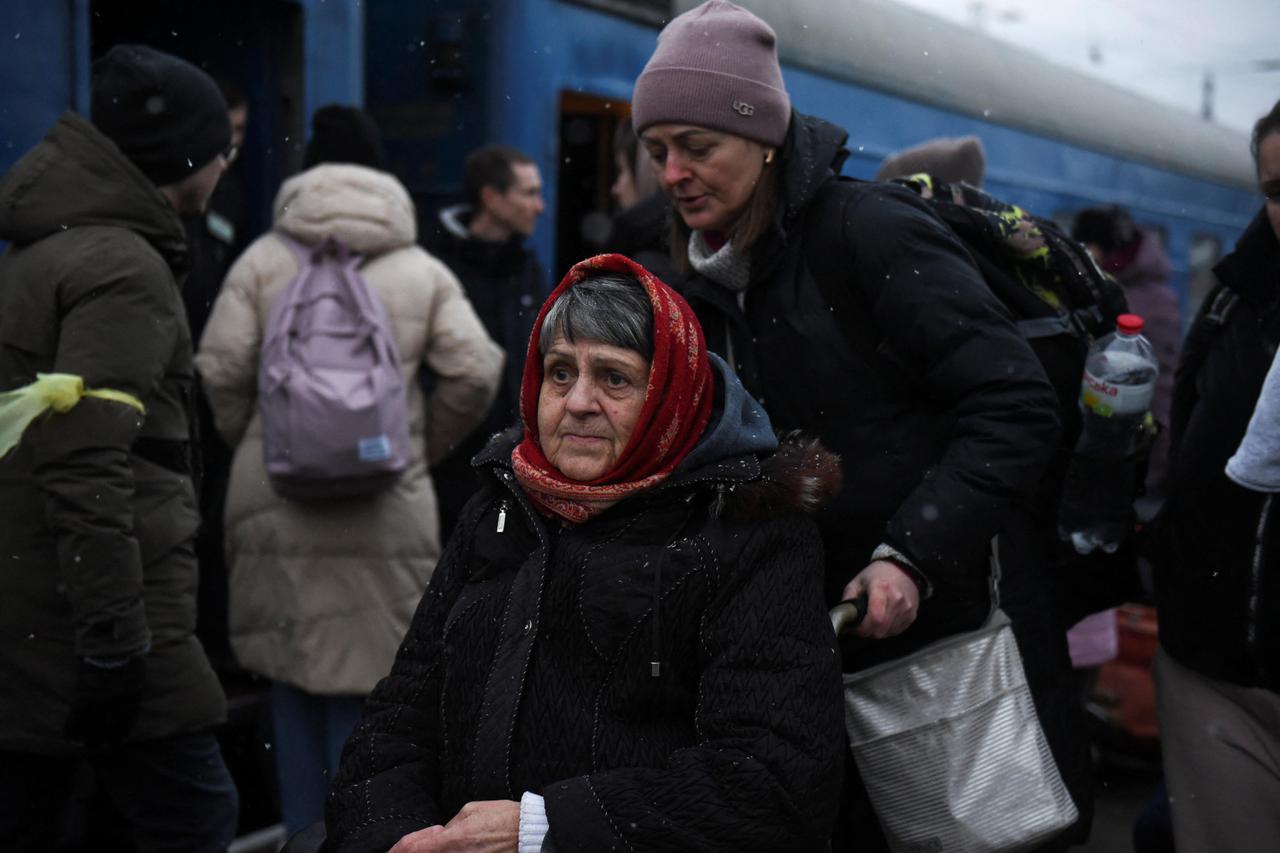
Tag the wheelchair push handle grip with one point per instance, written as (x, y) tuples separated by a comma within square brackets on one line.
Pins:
[(848, 614)]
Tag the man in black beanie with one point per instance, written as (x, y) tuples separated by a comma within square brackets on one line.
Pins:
[(167, 117), (98, 659)]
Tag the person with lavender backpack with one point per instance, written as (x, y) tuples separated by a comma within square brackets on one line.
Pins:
[(321, 592)]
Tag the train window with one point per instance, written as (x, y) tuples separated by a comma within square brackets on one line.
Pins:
[(1203, 252), (649, 11)]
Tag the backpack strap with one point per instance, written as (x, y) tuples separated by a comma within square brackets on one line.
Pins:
[(304, 253), (1220, 307), (301, 251), (1200, 341), (1207, 329), (1043, 327)]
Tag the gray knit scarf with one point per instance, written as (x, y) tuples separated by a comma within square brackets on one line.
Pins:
[(725, 267), (1256, 464)]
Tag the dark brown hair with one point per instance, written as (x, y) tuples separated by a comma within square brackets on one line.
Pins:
[(1111, 227), (754, 222), (491, 166), (1267, 125)]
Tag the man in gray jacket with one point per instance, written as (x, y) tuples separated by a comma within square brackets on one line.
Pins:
[(98, 659)]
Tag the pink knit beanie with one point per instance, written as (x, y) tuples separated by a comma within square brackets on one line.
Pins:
[(715, 66)]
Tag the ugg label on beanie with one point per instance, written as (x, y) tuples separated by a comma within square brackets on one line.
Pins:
[(742, 108)]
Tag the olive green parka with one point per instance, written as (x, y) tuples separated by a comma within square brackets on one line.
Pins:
[(96, 525)]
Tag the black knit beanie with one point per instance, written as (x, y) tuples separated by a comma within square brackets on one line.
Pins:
[(166, 115), (344, 135)]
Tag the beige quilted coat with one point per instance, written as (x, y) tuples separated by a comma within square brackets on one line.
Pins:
[(321, 594)]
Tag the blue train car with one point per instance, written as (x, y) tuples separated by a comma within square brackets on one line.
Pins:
[(549, 76)]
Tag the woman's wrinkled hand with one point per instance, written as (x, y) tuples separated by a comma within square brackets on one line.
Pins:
[(893, 599), (485, 826)]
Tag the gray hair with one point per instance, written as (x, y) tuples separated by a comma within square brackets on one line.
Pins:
[(609, 308)]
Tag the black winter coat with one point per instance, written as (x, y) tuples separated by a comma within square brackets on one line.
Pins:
[(1216, 545), (952, 425), (641, 233), (528, 667), (507, 287)]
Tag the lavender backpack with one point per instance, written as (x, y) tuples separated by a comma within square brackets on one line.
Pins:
[(335, 420)]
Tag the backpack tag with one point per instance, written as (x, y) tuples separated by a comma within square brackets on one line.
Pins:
[(375, 449)]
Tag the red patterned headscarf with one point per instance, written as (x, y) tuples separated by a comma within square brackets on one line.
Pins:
[(677, 404)]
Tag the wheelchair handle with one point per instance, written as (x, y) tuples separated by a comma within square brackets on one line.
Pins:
[(848, 614)]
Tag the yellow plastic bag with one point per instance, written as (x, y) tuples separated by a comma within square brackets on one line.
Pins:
[(57, 391)]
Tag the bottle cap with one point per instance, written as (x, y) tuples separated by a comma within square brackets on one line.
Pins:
[(1129, 324)]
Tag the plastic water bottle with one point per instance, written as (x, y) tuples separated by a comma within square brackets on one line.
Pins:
[(1115, 398)]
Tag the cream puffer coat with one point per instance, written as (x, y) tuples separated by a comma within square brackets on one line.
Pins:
[(321, 594)]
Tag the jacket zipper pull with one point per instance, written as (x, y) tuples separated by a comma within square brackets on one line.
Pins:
[(502, 516)]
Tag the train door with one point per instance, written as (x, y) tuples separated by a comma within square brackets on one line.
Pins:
[(585, 174)]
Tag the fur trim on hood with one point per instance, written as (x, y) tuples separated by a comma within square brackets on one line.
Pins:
[(801, 476)]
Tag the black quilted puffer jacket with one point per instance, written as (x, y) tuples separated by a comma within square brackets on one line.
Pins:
[(943, 430), (663, 675)]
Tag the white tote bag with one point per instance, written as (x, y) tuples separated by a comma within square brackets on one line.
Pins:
[(950, 749)]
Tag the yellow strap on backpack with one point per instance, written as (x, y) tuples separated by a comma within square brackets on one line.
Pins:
[(56, 391)]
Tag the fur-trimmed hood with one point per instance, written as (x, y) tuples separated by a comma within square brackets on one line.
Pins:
[(800, 476)]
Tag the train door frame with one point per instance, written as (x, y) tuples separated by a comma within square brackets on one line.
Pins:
[(586, 124)]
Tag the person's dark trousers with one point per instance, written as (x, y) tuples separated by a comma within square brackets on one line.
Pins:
[(175, 793), (857, 828), (1153, 827), (211, 598)]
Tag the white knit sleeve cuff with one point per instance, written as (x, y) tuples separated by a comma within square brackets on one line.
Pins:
[(885, 551), (533, 823)]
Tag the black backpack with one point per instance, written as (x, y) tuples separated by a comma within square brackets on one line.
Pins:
[(1061, 302), (1059, 299)]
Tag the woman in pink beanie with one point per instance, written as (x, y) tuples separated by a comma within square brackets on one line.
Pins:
[(850, 311)]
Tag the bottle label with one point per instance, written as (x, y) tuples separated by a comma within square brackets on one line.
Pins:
[(1107, 400)]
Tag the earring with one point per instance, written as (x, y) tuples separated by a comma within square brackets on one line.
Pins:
[(768, 157)]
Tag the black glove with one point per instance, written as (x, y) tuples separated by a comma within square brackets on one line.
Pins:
[(105, 704)]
